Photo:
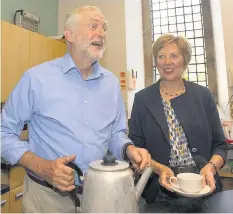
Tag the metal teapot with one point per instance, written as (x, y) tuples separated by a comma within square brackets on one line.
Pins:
[(109, 187)]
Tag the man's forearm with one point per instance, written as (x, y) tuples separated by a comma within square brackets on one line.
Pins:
[(36, 164), (157, 167)]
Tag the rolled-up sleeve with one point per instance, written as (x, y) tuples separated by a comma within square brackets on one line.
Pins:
[(16, 112), (119, 136)]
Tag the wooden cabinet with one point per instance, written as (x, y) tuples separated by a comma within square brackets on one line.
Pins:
[(16, 177), (24, 135), (12, 194), (16, 198), (44, 49), (15, 56), (21, 50), (58, 48), (39, 49), (5, 203)]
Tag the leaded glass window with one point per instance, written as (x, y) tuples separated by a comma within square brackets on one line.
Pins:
[(185, 18)]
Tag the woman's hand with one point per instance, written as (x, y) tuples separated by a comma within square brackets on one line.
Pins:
[(208, 173), (164, 173)]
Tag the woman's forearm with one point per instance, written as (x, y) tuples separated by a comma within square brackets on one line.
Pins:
[(217, 161)]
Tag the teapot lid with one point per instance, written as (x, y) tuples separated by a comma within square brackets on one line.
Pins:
[(109, 164), (100, 166)]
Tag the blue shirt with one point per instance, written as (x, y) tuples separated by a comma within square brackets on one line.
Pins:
[(65, 114)]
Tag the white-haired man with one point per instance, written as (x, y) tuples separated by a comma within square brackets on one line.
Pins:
[(75, 113)]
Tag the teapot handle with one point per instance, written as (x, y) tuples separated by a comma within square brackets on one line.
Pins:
[(76, 169), (73, 194)]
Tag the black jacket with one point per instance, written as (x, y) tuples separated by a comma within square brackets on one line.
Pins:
[(196, 112)]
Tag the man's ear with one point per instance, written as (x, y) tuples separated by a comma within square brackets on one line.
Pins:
[(69, 35)]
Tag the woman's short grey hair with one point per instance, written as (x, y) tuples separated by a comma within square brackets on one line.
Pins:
[(181, 42), (72, 17)]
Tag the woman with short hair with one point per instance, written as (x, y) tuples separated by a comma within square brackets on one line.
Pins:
[(177, 122)]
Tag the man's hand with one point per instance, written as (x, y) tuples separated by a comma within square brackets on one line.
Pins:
[(53, 171), (59, 175), (208, 173), (140, 158)]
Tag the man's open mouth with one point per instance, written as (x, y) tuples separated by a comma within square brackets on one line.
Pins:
[(98, 43)]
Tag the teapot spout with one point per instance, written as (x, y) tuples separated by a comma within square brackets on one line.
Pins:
[(142, 182)]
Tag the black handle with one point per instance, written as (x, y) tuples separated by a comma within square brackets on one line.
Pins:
[(76, 169), (73, 193)]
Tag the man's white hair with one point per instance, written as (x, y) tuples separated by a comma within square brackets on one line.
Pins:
[(72, 17)]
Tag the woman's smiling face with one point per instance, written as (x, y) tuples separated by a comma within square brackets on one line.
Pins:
[(170, 62)]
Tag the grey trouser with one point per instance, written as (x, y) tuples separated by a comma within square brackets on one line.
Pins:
[(40, 199)]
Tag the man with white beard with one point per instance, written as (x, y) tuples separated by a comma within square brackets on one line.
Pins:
[(75, 113)]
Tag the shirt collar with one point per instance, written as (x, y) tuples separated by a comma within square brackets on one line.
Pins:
[(69, 64)]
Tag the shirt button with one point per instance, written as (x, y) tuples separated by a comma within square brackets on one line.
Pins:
[(85, 102), (194, 149)]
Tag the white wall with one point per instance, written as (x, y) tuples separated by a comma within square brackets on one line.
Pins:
[(221, 42), (114, 58), (227, 8), (134, 45), (124, 37)]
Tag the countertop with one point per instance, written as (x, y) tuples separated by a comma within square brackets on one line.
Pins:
[(218, 203), (5, 165), (230, 145), (4, 188), (173, 206)]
